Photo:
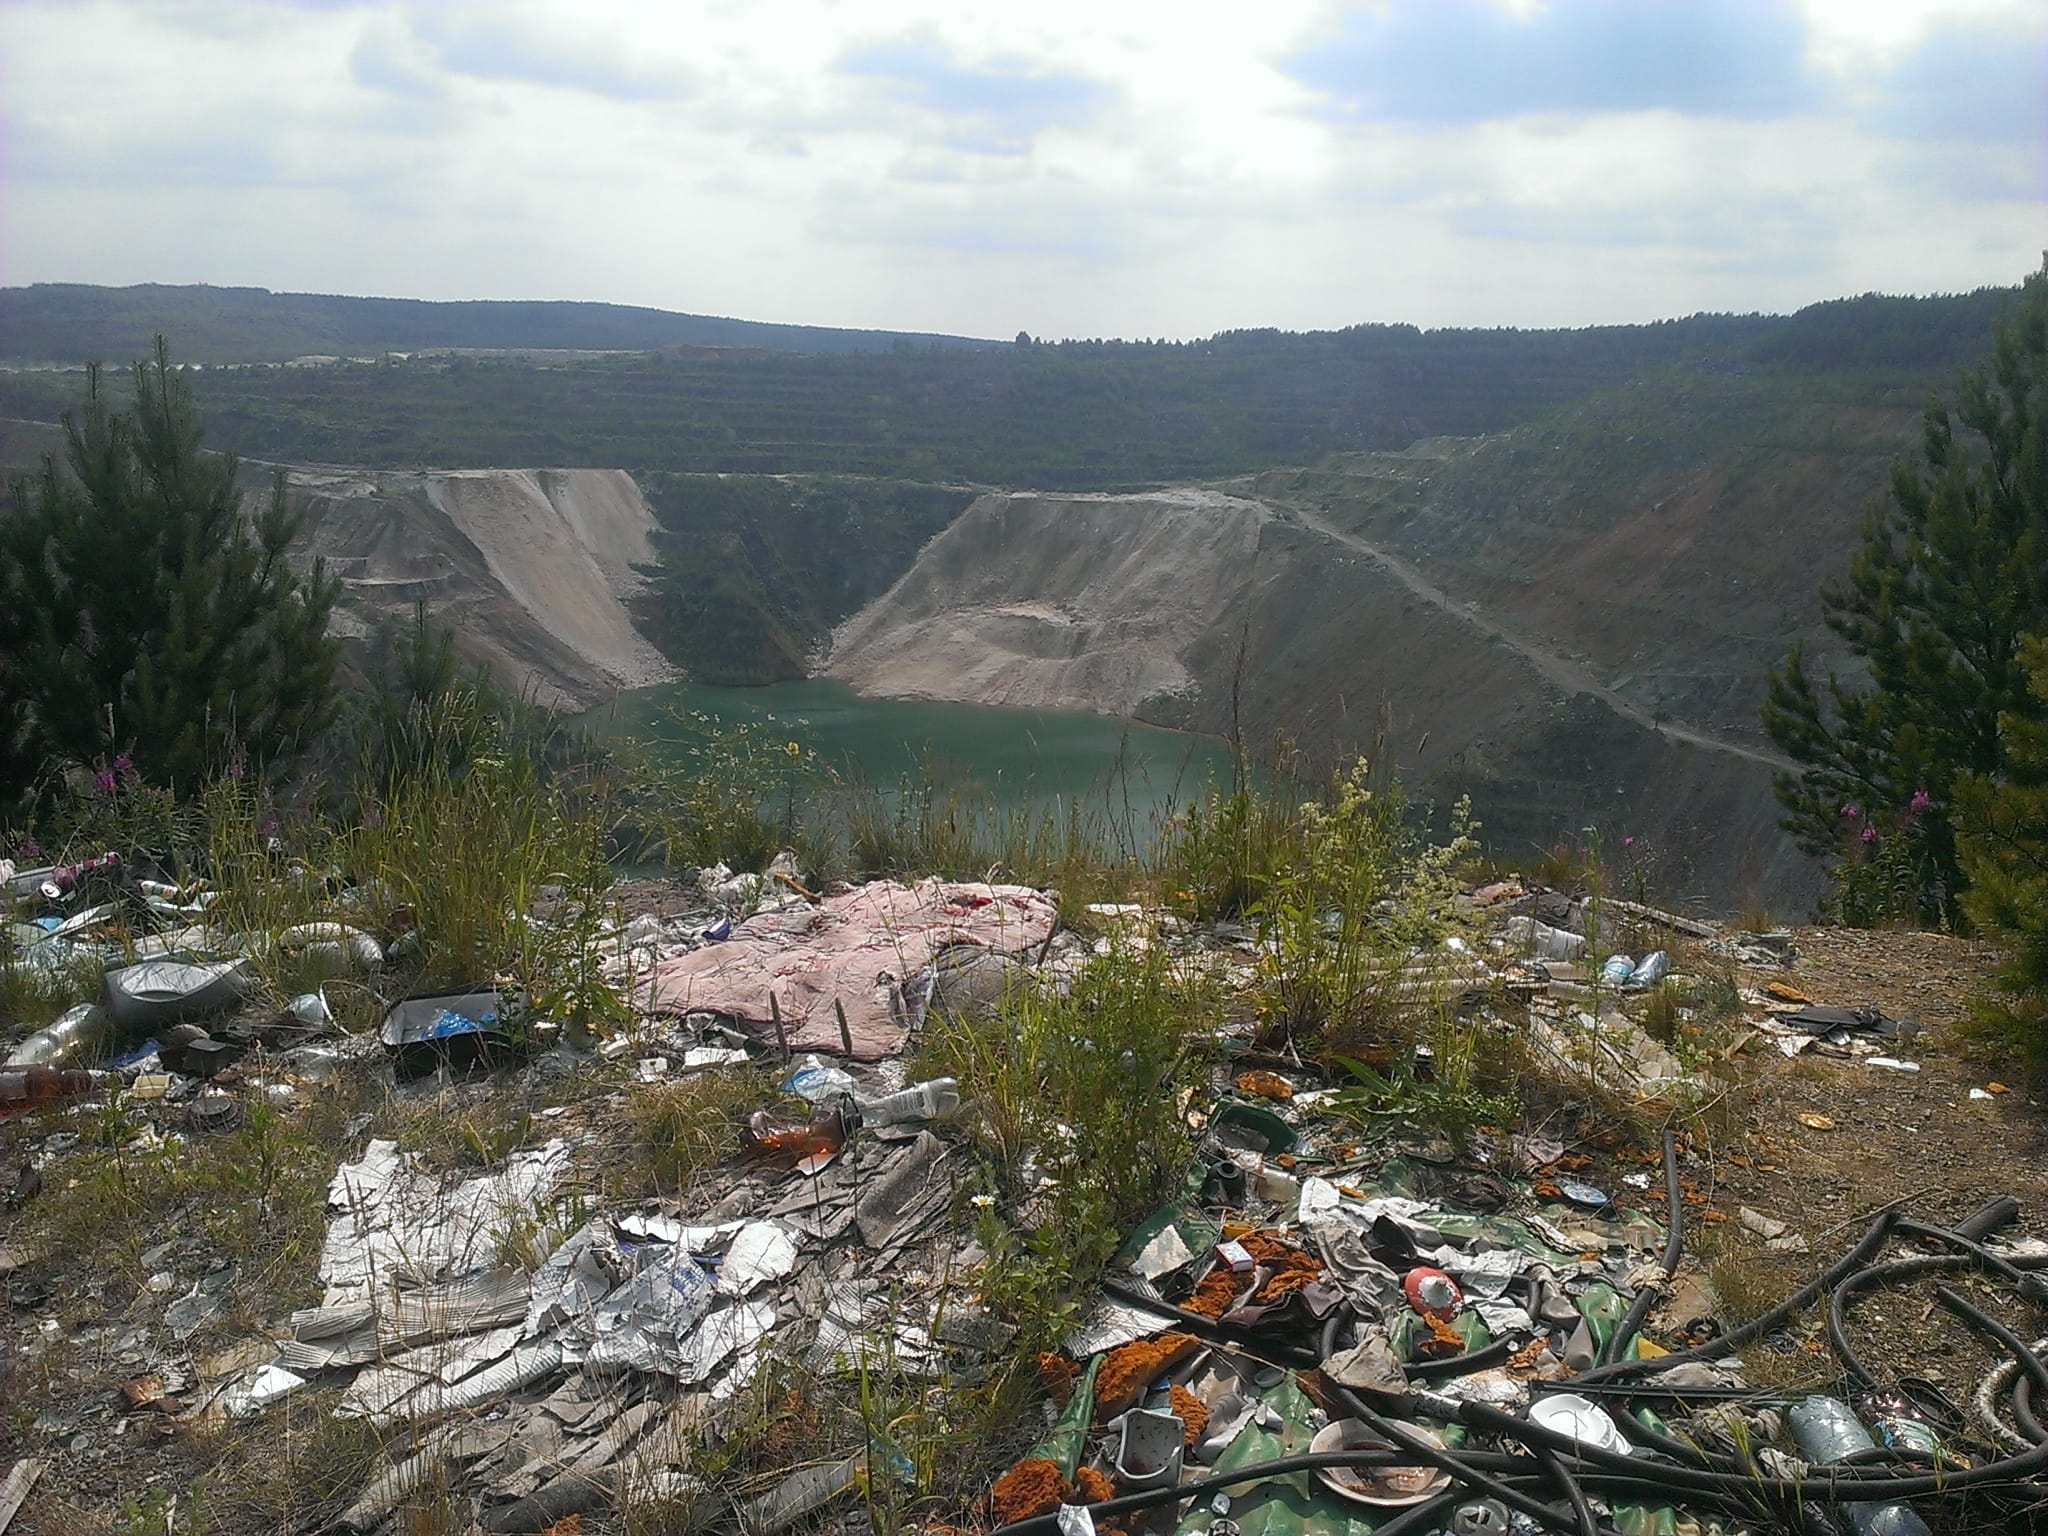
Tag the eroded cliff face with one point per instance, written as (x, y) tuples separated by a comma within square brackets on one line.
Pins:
[(1060, 602), (1224, 613), (531, 568)]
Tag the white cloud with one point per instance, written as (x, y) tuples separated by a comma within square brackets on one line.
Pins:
[(1067, 167)]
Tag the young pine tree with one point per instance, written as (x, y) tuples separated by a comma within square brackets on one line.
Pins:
[(141, 611), (2004, 847), (1951, 576)]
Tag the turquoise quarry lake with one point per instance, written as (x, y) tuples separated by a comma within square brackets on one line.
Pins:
[(1020, 756)]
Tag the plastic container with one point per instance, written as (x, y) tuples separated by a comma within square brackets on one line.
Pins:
[(1543, 941), (77, 1032), (1617, 970), (1653, 968), (934, 1100), (1827, 1430), (1149, 1445)]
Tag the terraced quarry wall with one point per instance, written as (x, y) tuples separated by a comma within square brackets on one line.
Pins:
[(1571, 621)]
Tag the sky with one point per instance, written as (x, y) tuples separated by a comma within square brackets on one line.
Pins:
[(1064, 167)]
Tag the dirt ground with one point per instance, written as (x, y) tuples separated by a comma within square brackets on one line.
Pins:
[(1872, 1138)]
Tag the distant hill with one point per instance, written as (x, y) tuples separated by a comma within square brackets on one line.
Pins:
[(82, 322), (1069, 415)]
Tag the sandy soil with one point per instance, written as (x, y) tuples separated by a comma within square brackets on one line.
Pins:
[(1075, 602), (532, 569)]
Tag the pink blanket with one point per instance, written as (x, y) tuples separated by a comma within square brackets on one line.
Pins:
[(866, 948)]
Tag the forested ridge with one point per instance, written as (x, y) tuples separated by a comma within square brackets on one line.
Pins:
[(1065, 415)]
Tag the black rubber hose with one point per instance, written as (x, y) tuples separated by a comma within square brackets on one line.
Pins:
[(2029, 1363), (1326, 1342), (1872, 1240), (1462, 1365), (2033, 1287), (1999, 1211), (1674, 1249), (1547, 1516), (1568, 1485), (2023, 1411), (1887, 1274)]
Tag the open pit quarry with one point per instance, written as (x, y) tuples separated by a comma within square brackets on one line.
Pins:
[(1570, 623), (1235, 615)]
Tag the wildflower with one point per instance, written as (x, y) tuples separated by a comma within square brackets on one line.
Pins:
[(1920, 801), (123, 763), (794, 750), (1851, 812), (1870, 834), (103, 781), (982, 1202), (1628, 842)]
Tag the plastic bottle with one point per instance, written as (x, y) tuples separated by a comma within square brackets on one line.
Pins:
[(1897, 1425), (63, 880), (1655, 966), (1544, 941), (76, 1032), (26, 1089), (934, 1100), (1617, 970), (1827, 1430)]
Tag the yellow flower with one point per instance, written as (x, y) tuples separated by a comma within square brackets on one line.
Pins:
[(794, 750)]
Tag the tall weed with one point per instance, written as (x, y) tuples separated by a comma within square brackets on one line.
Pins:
[(1076, 1120)]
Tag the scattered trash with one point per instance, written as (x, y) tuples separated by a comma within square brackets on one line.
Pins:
[(142, 997), (1892, 1063), (15, 1486), (1543, 941), (1386, 1486), (24, 1090), (809, 1146), (1265, 1085), (456, 1030), (1580, 1419), (335, 943), (266, 1386), (310, 1009), (77, 1032), (866, 954)]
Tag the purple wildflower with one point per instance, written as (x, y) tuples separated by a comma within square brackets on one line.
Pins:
[(1920, 801), (123, 763), (1851, 812), (103, 781), (1628, 842), (1870, 834)]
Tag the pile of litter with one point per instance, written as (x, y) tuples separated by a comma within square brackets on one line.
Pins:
[(1324, 1332)]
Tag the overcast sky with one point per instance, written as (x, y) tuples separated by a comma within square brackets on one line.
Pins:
[(1067, 167)]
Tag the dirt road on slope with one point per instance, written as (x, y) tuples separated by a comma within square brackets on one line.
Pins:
[(1560, 671)]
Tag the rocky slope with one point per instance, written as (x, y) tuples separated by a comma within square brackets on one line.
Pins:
[(531, 568)]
